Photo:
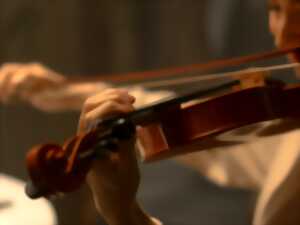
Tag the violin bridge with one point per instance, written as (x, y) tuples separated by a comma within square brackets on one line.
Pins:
[(251, 78)]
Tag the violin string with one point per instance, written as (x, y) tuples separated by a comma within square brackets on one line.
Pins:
[(216, 76)]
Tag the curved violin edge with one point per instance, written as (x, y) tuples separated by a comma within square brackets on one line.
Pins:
[(32, 191), (48, 165), (35, 161)]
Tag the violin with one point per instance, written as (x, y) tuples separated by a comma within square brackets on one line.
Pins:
[(166, 128)]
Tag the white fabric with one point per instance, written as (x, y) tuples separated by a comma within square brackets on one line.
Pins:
[(279, 203), (17, 209), (269, 165)]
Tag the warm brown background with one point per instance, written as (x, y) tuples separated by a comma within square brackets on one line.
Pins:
[(104, 36)]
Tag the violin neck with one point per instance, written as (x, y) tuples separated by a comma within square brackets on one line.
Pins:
[(147, 113)]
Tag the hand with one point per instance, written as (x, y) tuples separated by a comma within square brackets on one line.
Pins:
[(22, 81), (114, 179)]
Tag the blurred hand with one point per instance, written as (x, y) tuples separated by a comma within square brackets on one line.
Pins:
[(114, 179), (23, 81)]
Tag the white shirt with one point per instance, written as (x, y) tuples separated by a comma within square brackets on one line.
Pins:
[(17, 209)]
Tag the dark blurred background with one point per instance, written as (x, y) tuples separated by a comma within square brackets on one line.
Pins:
[(101, 37)]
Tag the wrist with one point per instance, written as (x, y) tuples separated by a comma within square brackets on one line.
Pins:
[(132, 215), (71, 96)]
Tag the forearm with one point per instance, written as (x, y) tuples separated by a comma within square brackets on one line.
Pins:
[(68, 96), (131, 215), (71, 96), (77, 93), (114, 179)]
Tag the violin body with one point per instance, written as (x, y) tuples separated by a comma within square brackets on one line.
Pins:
[(197, 127)]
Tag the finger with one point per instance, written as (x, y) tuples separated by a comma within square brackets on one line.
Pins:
[(35, 79), (120, 96), (126, 155), (17, 80), (23, 84), (6, 73), (44, 73), (94, 103), (109, 108), (17, 84), (27, 81)]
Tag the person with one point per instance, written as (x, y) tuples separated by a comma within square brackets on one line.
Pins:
[(277, 203), (118, 205)]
